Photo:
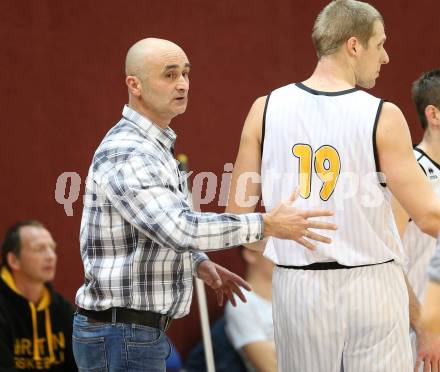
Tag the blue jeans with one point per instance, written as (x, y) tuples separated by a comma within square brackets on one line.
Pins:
[(117, 347)]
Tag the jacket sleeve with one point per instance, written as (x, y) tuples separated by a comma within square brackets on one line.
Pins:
[(66, 313), (6, 355)]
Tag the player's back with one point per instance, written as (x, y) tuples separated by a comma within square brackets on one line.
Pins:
[(325, 144)]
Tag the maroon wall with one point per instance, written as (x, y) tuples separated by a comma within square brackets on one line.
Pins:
[(62, 75)]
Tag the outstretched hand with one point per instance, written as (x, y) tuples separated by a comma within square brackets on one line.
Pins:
[(224, 282), (428, 352), (287, 222)]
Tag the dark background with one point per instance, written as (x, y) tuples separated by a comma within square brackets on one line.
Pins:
[(63, 87)]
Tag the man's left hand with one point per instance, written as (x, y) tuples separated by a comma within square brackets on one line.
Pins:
[(222, 281)]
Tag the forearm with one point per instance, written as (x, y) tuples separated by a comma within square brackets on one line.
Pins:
[(154, 205), (429, 222), (172, 224)]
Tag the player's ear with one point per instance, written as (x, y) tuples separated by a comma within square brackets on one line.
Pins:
[(352, 46), (13, 261), (437, 117), (432, 115)]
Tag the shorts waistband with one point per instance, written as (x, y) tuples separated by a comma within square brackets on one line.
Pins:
[(329, 266)]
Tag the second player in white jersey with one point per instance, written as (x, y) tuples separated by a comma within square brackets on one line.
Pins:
[(418, 246)]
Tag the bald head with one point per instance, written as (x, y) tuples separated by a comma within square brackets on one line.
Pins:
[(145, 52), (157, 77)]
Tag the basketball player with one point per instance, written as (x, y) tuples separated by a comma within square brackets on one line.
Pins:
[(420, 247), (344, 308)]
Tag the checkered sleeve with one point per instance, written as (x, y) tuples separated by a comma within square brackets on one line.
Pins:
[(145, 191), (197, 259)]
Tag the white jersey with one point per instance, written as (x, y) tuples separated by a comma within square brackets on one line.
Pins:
[(324, 143), (418, 246)]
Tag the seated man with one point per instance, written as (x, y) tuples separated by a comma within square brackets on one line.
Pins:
[(249, 326), (35, 321)]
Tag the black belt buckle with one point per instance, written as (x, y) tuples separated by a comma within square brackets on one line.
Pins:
[(164, 322)]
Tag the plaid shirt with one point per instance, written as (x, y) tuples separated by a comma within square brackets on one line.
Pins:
[(140, 241)]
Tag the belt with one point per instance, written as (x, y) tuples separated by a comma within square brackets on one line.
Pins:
[(328, 266), (129, 316)]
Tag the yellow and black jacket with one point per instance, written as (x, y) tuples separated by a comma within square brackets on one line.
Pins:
[(34, 337)]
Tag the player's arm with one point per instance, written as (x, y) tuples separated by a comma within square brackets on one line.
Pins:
[(245, 189), (428, 336), (403, 175), (428, 342), (261, 355)]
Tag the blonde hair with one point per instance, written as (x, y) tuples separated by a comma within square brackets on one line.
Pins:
[(341, 20)]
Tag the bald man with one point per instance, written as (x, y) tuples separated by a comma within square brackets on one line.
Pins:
[(141, 243)]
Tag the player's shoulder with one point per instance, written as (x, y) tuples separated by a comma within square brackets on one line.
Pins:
[(391, 109), (285, 90), (391, 116), (259, 103), (391, 124), (257, 109)]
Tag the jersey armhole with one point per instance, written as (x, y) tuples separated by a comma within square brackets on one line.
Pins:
[(263, 129), (423, 169), (376, 155)]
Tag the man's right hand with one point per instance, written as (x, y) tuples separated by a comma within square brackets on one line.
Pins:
[(286, 222), (428, 352)]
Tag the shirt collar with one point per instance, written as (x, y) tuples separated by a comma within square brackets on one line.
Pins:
[(166, 136)]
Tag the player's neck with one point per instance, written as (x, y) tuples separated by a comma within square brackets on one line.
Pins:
[(332, 74), (431, 145)]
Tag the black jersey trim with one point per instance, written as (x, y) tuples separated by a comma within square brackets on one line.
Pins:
[(376, 155), (263, 129), (321, 93), (423, 153), (332, 265)]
